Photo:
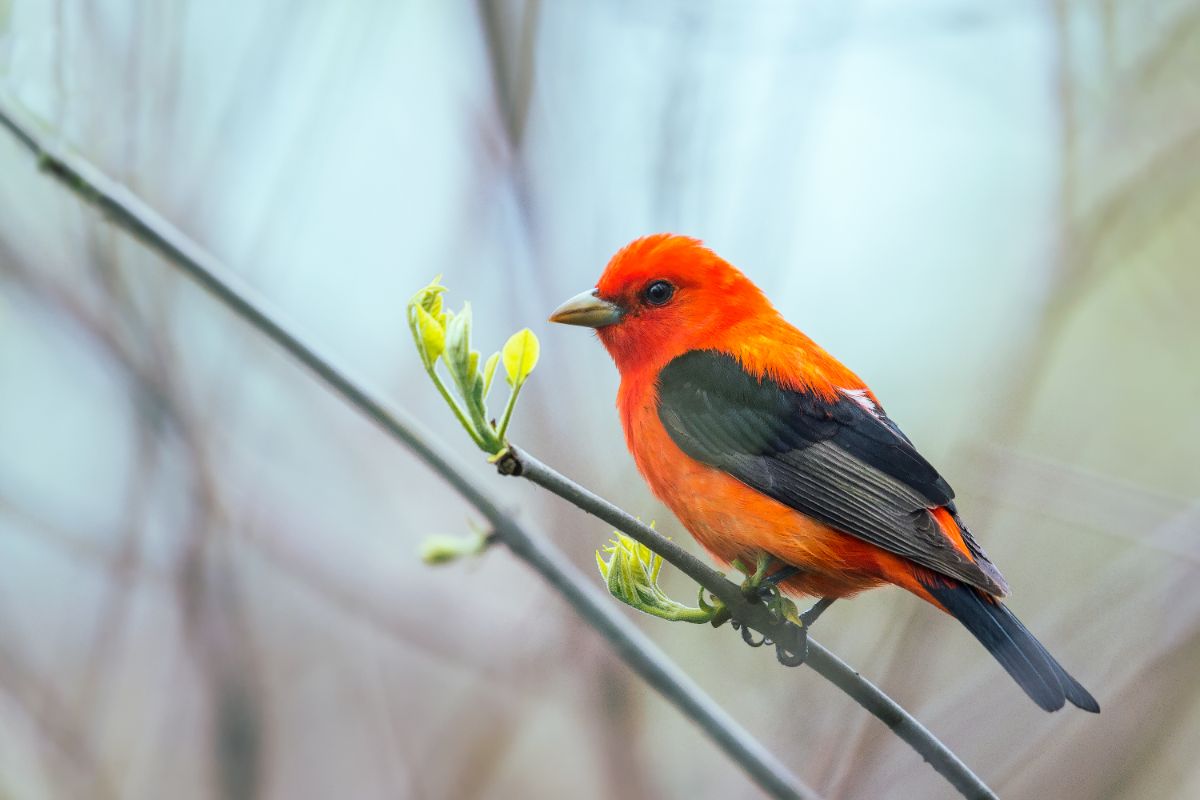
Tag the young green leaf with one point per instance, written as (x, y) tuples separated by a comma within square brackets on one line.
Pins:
[(440, 549), (473, 364), (430, 298), (433, 336), (631, 574), (520, 356), (458, 346), (602, 564), (489, 372)]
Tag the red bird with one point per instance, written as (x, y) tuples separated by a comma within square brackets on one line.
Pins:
[(765, 446)]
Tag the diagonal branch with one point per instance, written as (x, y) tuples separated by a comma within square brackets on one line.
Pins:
[(633, 647), (755, 615), (131, 214)]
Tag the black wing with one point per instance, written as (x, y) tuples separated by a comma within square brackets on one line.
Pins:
[(842, 462)]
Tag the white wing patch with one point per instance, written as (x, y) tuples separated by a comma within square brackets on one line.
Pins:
[(861, 397)]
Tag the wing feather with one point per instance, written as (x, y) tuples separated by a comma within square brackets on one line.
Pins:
[(842, 462)]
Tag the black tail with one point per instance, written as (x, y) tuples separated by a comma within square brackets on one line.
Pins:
[(1024, 657)]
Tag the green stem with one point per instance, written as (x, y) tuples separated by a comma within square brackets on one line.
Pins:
[(458, 411), (697, 616), (493, 442), (508, 410), (431, 370)]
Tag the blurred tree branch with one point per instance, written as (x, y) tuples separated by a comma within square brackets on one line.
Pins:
[(131, 214), (128, 212)]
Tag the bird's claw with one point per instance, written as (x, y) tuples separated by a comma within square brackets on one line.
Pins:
[(760, 587), (789, 655), (803, 622), (793, 659), (748, 635), (753, 579), (764, 589), (781, 608)]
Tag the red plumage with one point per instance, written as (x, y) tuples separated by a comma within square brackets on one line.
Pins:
[(762, 442)]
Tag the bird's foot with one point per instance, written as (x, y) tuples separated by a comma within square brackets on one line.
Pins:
[(790, 653), (781, 608), (750, 590), (764, 588), (818, 608), (794, 653), (753, 579)]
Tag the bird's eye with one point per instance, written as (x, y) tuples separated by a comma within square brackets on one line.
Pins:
[(658, 293)]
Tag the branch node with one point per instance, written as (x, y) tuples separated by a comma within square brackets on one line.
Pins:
[(507, 463)]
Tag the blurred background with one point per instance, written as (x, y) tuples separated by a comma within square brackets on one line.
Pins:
[(209, 582)]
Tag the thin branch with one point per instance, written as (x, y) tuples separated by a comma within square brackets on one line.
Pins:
[(755, 615), (130, 213), (633, 647), (70, 763)]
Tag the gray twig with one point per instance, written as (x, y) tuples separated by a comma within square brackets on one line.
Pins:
[(131, 214), (756, 616)]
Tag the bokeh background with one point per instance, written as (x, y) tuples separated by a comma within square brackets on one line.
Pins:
[(209, 584)]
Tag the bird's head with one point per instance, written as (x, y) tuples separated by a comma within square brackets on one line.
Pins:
[(661, 296)]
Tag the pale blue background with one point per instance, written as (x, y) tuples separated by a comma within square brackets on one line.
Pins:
[(988, 210)]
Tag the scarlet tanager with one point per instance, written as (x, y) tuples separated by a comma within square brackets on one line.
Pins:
[(764, 445)]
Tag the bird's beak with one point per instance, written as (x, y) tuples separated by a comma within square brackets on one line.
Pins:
[(588, 310)]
